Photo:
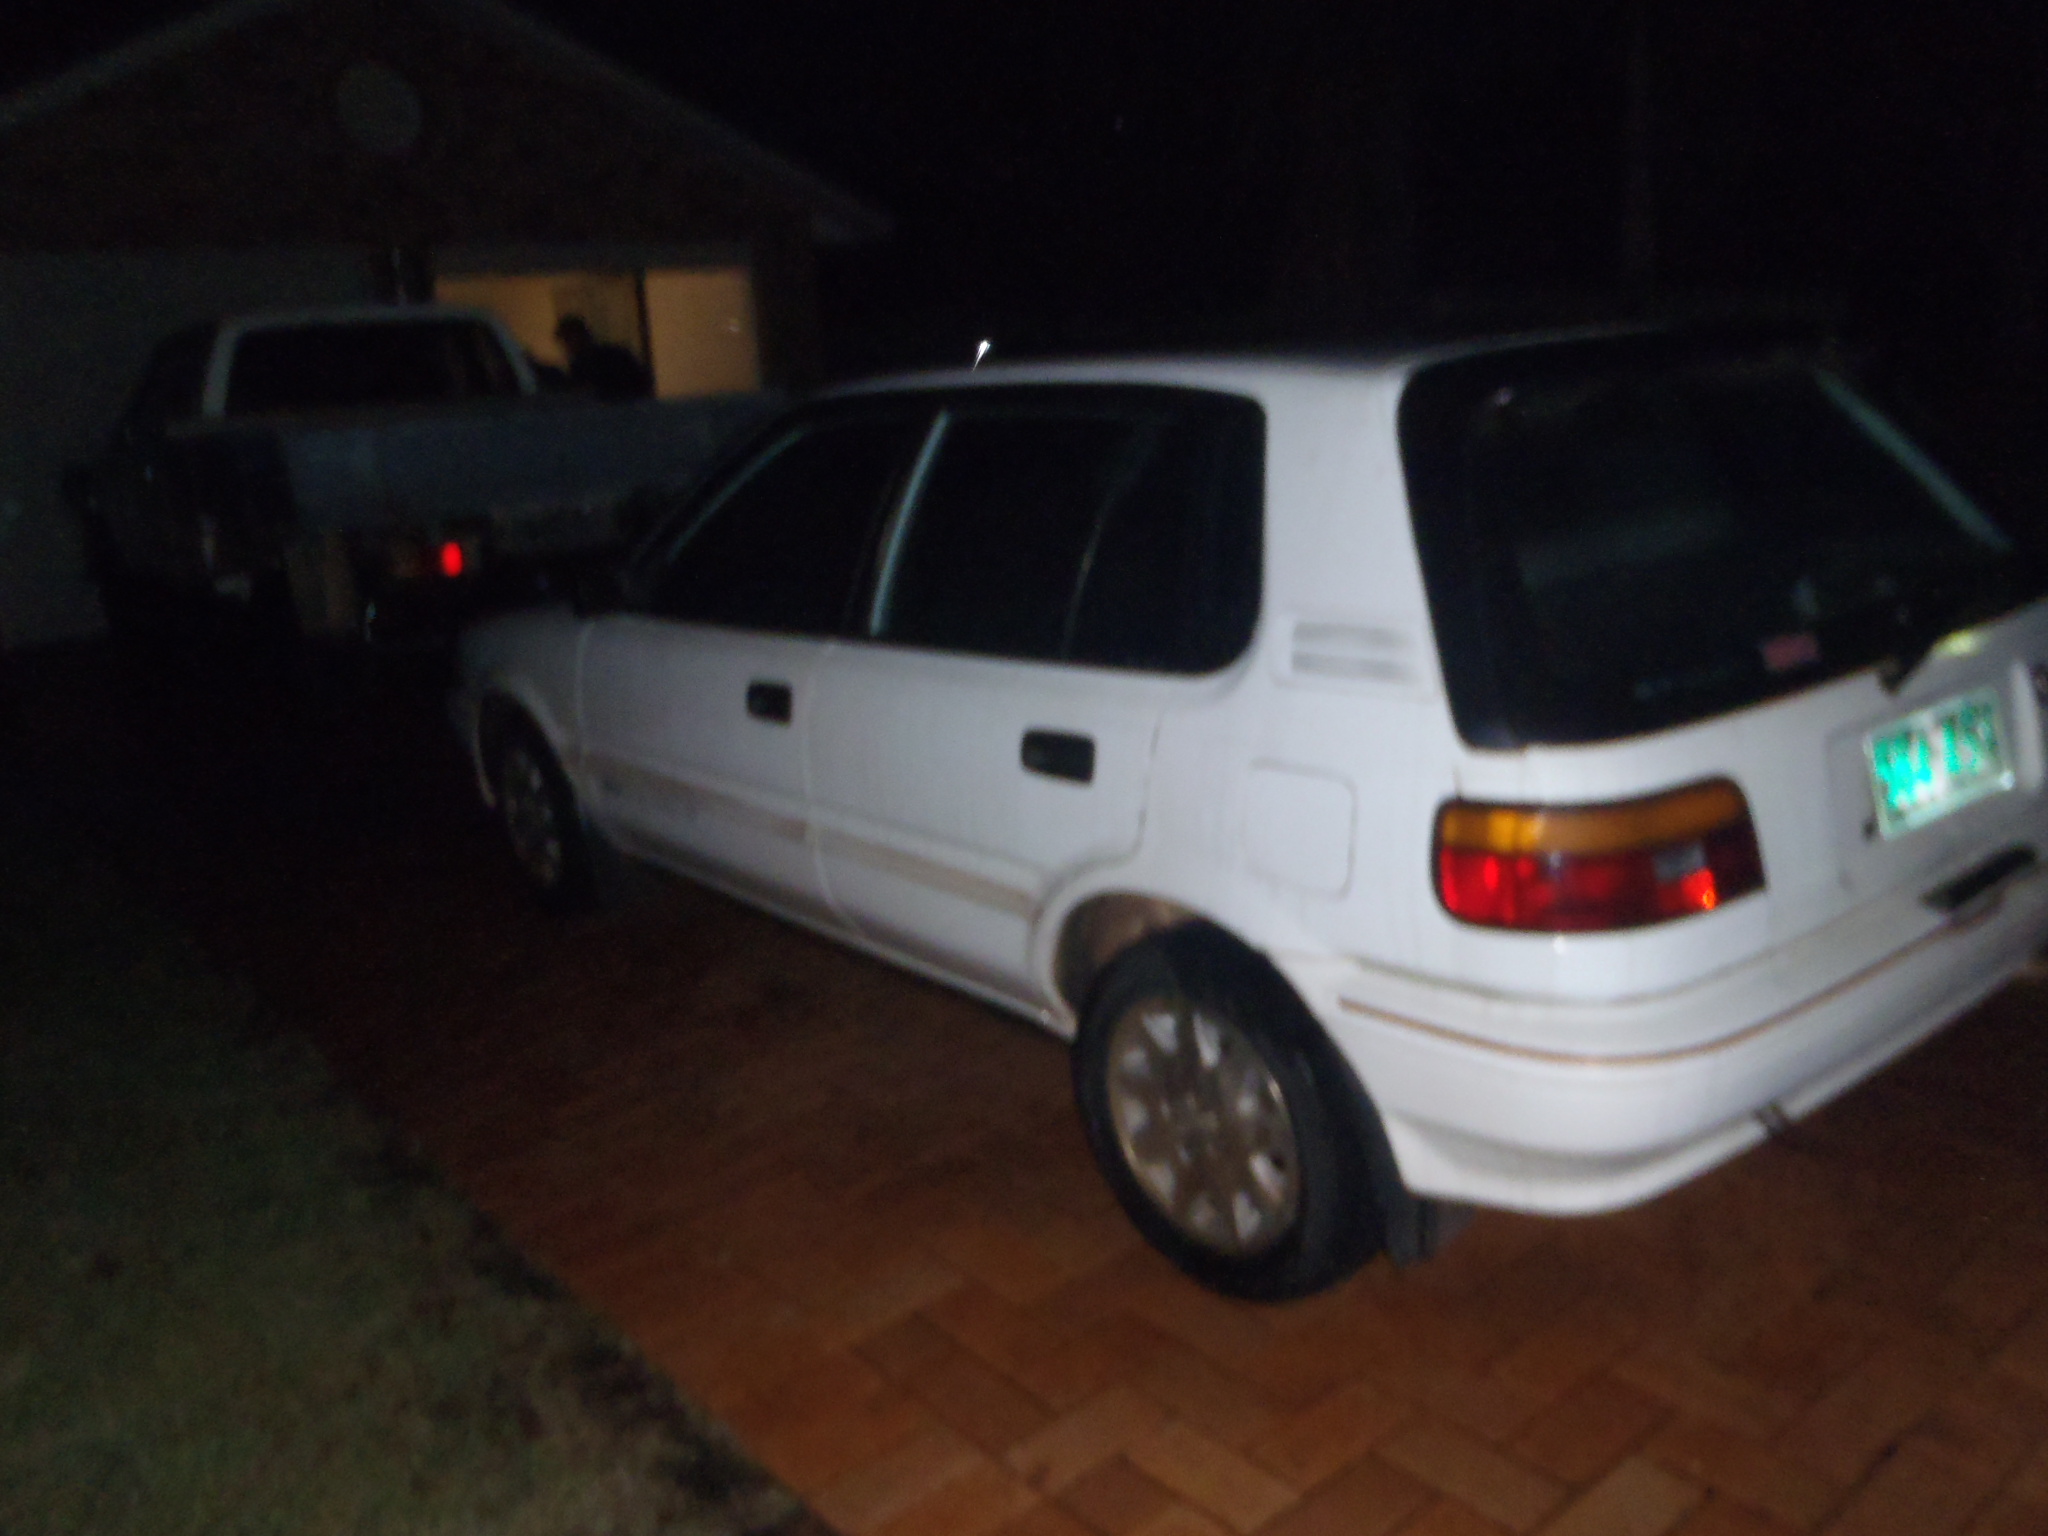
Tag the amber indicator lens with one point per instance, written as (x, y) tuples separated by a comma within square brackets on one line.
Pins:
[(1589, 868)]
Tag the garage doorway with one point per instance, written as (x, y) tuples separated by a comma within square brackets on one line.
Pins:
[(694, 327)]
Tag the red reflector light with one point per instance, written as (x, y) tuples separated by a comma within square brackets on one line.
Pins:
[(1586, 868), (451, 559)]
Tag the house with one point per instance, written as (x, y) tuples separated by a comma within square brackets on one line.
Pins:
[(268, 153)]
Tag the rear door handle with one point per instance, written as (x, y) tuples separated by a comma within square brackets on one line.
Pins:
[(769, 701), (1059, 755)]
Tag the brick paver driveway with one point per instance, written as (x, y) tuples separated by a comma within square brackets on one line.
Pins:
[(853, 1214)]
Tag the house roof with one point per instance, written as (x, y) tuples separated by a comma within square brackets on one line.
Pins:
[(835, 216)]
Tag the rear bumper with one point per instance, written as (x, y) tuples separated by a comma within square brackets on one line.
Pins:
[(1559, 1131), (431, 608)]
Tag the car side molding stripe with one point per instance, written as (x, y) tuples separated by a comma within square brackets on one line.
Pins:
[(618, 778), (919, 870), (1679, 1053)]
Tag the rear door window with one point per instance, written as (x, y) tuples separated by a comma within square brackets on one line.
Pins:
[(1000, 529), (1112, 527), (1619, 537)]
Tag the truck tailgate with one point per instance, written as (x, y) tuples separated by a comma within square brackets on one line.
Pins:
[(505, 463)]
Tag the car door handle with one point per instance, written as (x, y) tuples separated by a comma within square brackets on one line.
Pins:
[(1059, 755), (769, 701)]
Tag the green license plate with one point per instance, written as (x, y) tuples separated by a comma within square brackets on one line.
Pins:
[(1938, 760)]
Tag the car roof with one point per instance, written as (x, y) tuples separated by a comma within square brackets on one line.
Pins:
[(1251, 369)]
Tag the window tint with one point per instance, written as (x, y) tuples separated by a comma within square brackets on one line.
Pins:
[(346, 367), (1621, 536), (1000, 529), (785, 538), (1114, 527), (1173, 581)]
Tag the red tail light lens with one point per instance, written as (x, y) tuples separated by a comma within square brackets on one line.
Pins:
[(1587, 868), (452, 559)]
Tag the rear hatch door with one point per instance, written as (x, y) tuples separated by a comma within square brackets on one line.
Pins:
[(1663, 559)]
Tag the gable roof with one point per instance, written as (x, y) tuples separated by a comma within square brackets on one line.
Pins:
[(835, 216)]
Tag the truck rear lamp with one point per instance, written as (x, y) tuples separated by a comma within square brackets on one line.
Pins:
[(1589, 868), (453, 558)]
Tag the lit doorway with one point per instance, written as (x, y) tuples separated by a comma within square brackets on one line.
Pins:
[(693, 326)]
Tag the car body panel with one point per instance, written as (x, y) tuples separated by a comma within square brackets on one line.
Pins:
[(679, 769), (935, 836)]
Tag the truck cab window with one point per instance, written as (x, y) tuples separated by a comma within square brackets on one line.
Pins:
[(333, 367)]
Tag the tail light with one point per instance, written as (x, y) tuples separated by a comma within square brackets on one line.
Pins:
[(413, 560), (1586, 868)]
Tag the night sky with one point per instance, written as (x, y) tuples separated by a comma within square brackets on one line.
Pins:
[(1076, 169), (1072, 174)]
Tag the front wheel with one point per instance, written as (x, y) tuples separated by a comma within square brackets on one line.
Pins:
[(563, 859), (1214, 1106)]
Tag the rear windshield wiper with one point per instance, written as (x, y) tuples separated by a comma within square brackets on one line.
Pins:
[(1895, 670), (1924, 624)]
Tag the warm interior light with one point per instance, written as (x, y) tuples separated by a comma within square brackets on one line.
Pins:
[(1581, 868)]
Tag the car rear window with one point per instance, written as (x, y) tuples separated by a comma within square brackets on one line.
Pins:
[(1623, 536), (330, 367)]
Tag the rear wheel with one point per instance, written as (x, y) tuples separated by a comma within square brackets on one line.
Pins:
[(134, 611), (1215, 1107), (565, 862)]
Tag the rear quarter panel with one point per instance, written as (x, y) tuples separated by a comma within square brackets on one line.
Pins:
[(1332, 730), (1336, 727)]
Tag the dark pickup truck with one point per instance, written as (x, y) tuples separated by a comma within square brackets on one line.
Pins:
[(370, 471)]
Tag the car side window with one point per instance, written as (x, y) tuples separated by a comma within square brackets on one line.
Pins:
[(1172, 584), (1111, 527), (783, 543), (1002, 524)]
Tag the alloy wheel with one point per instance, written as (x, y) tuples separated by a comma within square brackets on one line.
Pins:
[(531, 819), (1203, 1125)]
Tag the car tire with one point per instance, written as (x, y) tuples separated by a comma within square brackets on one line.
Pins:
[(125, 599), (1223, 1119), (567, 864)]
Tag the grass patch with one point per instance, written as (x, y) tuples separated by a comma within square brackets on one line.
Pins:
[(230, 1303)]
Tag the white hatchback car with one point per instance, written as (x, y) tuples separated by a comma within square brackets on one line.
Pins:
[(1522, 774)]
